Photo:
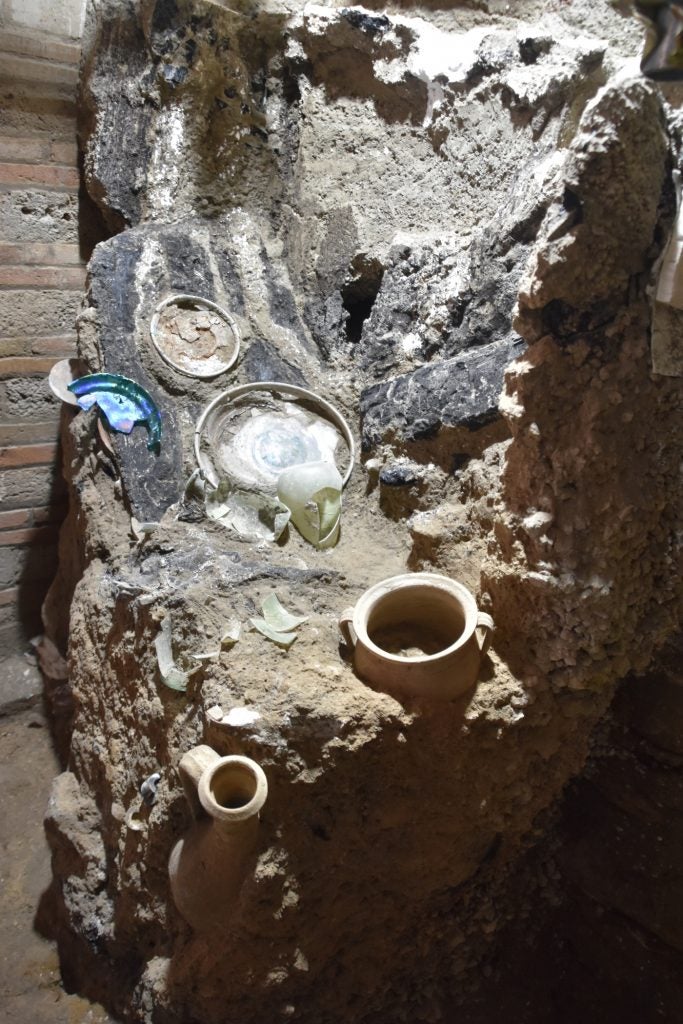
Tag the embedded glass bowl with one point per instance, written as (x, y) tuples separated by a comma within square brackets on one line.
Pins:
[(252, 433)]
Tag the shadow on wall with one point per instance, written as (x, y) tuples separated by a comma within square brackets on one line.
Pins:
[(601, 938), (39, 564), (41, 556), (92, 228)]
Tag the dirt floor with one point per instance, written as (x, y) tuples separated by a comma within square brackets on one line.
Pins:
[(30, 985)]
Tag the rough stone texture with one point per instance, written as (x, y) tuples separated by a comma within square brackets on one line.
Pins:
[(32, 216), (598, 937), (30, 983), (21, 684), (38, 311), (458, 392), (27, 398), (15, 567), (224, 262), (588, 521), (39, 485), (392, 205)]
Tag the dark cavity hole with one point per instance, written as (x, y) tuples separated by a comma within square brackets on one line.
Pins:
[(359, 293), (233, 786), (290, 87), (531, 49), (572, 204), (410, 639), (234, 801)]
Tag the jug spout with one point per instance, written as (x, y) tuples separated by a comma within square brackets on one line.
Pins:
[(232, 790), (207, 866)]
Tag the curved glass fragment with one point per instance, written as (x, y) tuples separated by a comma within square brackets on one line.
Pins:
[(312, 492), (122, 402)]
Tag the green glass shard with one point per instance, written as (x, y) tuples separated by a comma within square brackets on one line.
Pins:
[(173, 677), (277, 617), (281, 639)]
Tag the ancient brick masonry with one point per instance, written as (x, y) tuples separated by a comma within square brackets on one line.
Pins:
[(41, 282)]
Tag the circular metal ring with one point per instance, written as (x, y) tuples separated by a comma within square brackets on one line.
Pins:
[(294, 391)]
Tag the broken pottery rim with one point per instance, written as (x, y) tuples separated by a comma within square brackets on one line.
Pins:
[(377, 591), (293, 390), (57, 378), (215, 308)]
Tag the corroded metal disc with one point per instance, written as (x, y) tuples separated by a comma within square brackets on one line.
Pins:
[(195, 336)]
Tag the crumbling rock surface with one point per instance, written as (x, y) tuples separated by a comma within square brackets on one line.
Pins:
[(223, 261), (588, 510), (408, 210), (462, 391)]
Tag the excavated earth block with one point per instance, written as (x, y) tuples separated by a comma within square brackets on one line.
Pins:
[(444, 219)]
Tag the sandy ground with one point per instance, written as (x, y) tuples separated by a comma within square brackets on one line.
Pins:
[(30, 985)]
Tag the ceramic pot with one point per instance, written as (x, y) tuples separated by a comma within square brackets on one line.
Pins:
[(415, 635), (207, 866)]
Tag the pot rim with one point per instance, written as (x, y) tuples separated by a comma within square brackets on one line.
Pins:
[(403, 581), (293, 391)]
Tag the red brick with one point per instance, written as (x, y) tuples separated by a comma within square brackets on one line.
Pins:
[(9, 596), (20, 366), (10, 520), (40, 254), (35, 44), (47, 115), (49, 514), (32, 535), (47, 175), (27, 455), (64, 153), (47, 74), (64, 278), (29, 149), (26, 150), (32, 485), (60, 346), (32, 432)]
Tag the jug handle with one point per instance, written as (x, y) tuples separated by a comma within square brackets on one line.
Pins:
[(485, 623), (346, 627), (192, 766)]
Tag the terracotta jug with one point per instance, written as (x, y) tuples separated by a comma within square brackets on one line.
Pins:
[(207, 866), (414, 635)]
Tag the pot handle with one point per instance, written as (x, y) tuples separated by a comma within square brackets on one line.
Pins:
[(192, 766), (346, 627), (485, 623)]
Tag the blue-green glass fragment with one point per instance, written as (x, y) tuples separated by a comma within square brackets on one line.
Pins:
[(123, 403)]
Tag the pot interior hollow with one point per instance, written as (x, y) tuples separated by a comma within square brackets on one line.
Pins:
[(416, 622), (233, 785)]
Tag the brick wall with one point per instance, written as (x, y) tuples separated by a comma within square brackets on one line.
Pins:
[(41, 283)]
